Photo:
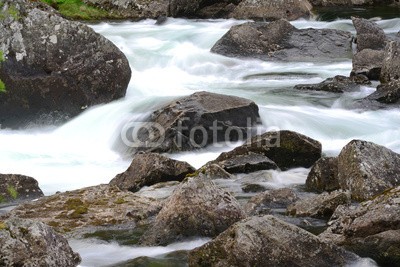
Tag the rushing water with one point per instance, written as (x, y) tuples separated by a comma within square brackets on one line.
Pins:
[(174, 60)]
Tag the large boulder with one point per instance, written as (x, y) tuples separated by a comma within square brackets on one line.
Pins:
[(267, 241), (370, 229), (319, 206), (337, 84), (286, 148), (87, 208), (369, 35), (388, 93), (54, 68), (368, 62), (272, 10), (323, 175), (367, 169), (15, 188), (193, 122), (133, 9), (279, 40), (150, 168), (391, 62), (197, 208), (32, 243)]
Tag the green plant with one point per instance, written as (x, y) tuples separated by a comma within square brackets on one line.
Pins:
[(77, 9), (2, 85), (12, 192), (3, 226)]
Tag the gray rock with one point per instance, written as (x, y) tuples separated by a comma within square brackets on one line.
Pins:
[(264, 202), (47, 71), (337, 84), (253, 188), (272, 10), (348, 3), (388, 93), (220, 9), (367, 169), (214, 171), (279, 40), (15, 188), (368, 62), (369, 35), (31, 243), (251, 162), (194, 122), (268, 241), (323, 175), (286, 148), (391, 62), (132, 9), (197, 208), (185, 8), (150, 168), (319, 206)]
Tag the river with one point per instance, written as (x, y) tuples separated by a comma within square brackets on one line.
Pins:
[(173, 60)]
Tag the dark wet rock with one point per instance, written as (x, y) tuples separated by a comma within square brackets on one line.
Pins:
[(150, 168), (220, 9), (183, 8), (279, 40), (131, 9), (272, 10), (391, 62), (371, 227), (286, 148), (337, 84), (368, 62), (253, 188), (90, 207), (319, 206), (15, 188), (367, 169), (323, 175), (31, 243), (264, 202), (369, 35), (388, 93), (194, 122), (47, 73), (268, 241), (251, 162), (197, 208)]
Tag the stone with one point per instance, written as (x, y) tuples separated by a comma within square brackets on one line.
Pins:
[(391, 62), (31, 243), (15, 188), (280, 41), (248, 163), (337, 84), (46, 71), (268, 241), (319, 206), (286, 148), (323, 175), (197, 208), (368, 62), (272, 10), (193, 122), (387, 93), (263, 203), (150, 168), (367, 169), (369, 35), (253, 188)]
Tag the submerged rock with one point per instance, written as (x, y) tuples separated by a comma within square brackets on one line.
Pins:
[(197, 208), (323, 175), (150, 168), (286, 148), (194, 122), (369, 35), (31, 243), (337, 84), (46, 70), (15, 188), (268, 241), (279, 40), (319, 206), (367, 169), (272, 10), (368, 62)]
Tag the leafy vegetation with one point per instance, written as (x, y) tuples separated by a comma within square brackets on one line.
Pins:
[(76, 9), (12, 192), (2, 85)]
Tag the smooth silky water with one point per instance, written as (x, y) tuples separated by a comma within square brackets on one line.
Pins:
[(173, 60)]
